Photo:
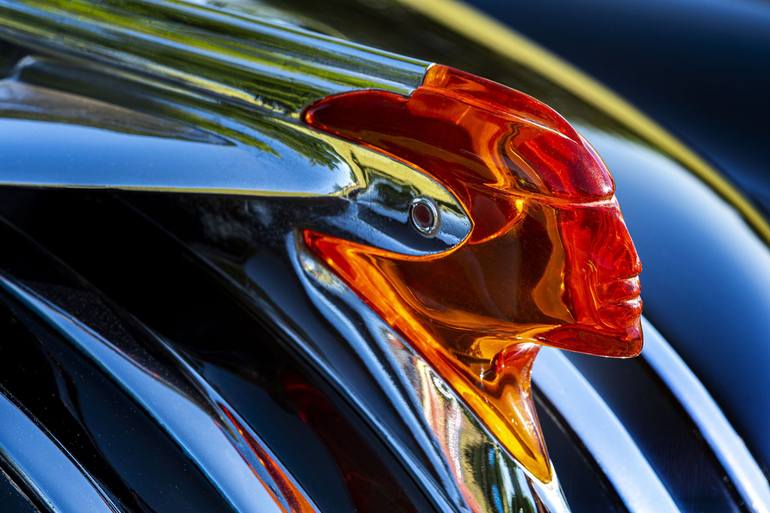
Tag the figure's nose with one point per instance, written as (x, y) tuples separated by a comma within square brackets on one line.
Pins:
[(618, 290), (613, 250), (602, 266)]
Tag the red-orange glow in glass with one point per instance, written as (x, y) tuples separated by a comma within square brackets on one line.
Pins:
[(549, 260), (289, 492)]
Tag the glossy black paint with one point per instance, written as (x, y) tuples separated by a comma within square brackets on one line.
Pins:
[(706, 287), (697, 67), (584, 486), (663, 431), (12, 498)]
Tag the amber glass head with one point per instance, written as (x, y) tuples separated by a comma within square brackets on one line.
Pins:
[(549, 260)]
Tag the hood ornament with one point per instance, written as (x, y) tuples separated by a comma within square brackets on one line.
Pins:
[(548, 261)]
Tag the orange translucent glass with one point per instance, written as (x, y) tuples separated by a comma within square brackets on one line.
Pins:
[(289, 494), (549, 260)]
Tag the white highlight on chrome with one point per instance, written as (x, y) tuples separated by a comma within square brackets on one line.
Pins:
[(728, 447), (603, 435)]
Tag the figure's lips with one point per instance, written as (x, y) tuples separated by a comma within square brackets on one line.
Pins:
[(618, 290), (620, 302)]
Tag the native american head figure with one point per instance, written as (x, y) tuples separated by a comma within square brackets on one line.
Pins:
[(549, 260)]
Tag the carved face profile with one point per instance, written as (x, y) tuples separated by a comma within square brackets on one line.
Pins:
[(549, 260)]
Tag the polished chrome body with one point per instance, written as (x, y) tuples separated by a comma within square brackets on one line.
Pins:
[(32, 454), (190, 411), (601, 432), (355, 191), (244, 60), (247, 95), (330, 185), (466, 466)]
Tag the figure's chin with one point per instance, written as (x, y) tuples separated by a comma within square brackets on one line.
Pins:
[(596, 340)]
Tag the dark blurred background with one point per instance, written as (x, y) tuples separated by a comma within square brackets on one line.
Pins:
[(701, 68)]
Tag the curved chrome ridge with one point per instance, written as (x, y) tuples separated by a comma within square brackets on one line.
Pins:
[(212, 440), (468, 471), (238, 58), (363, 194), (602, 433), (234, 113), (246, 440), (45, 467), (744, 472)]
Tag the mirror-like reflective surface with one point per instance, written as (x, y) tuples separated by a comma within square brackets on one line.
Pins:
[(549, 260), (211, 275), (266, 387)]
